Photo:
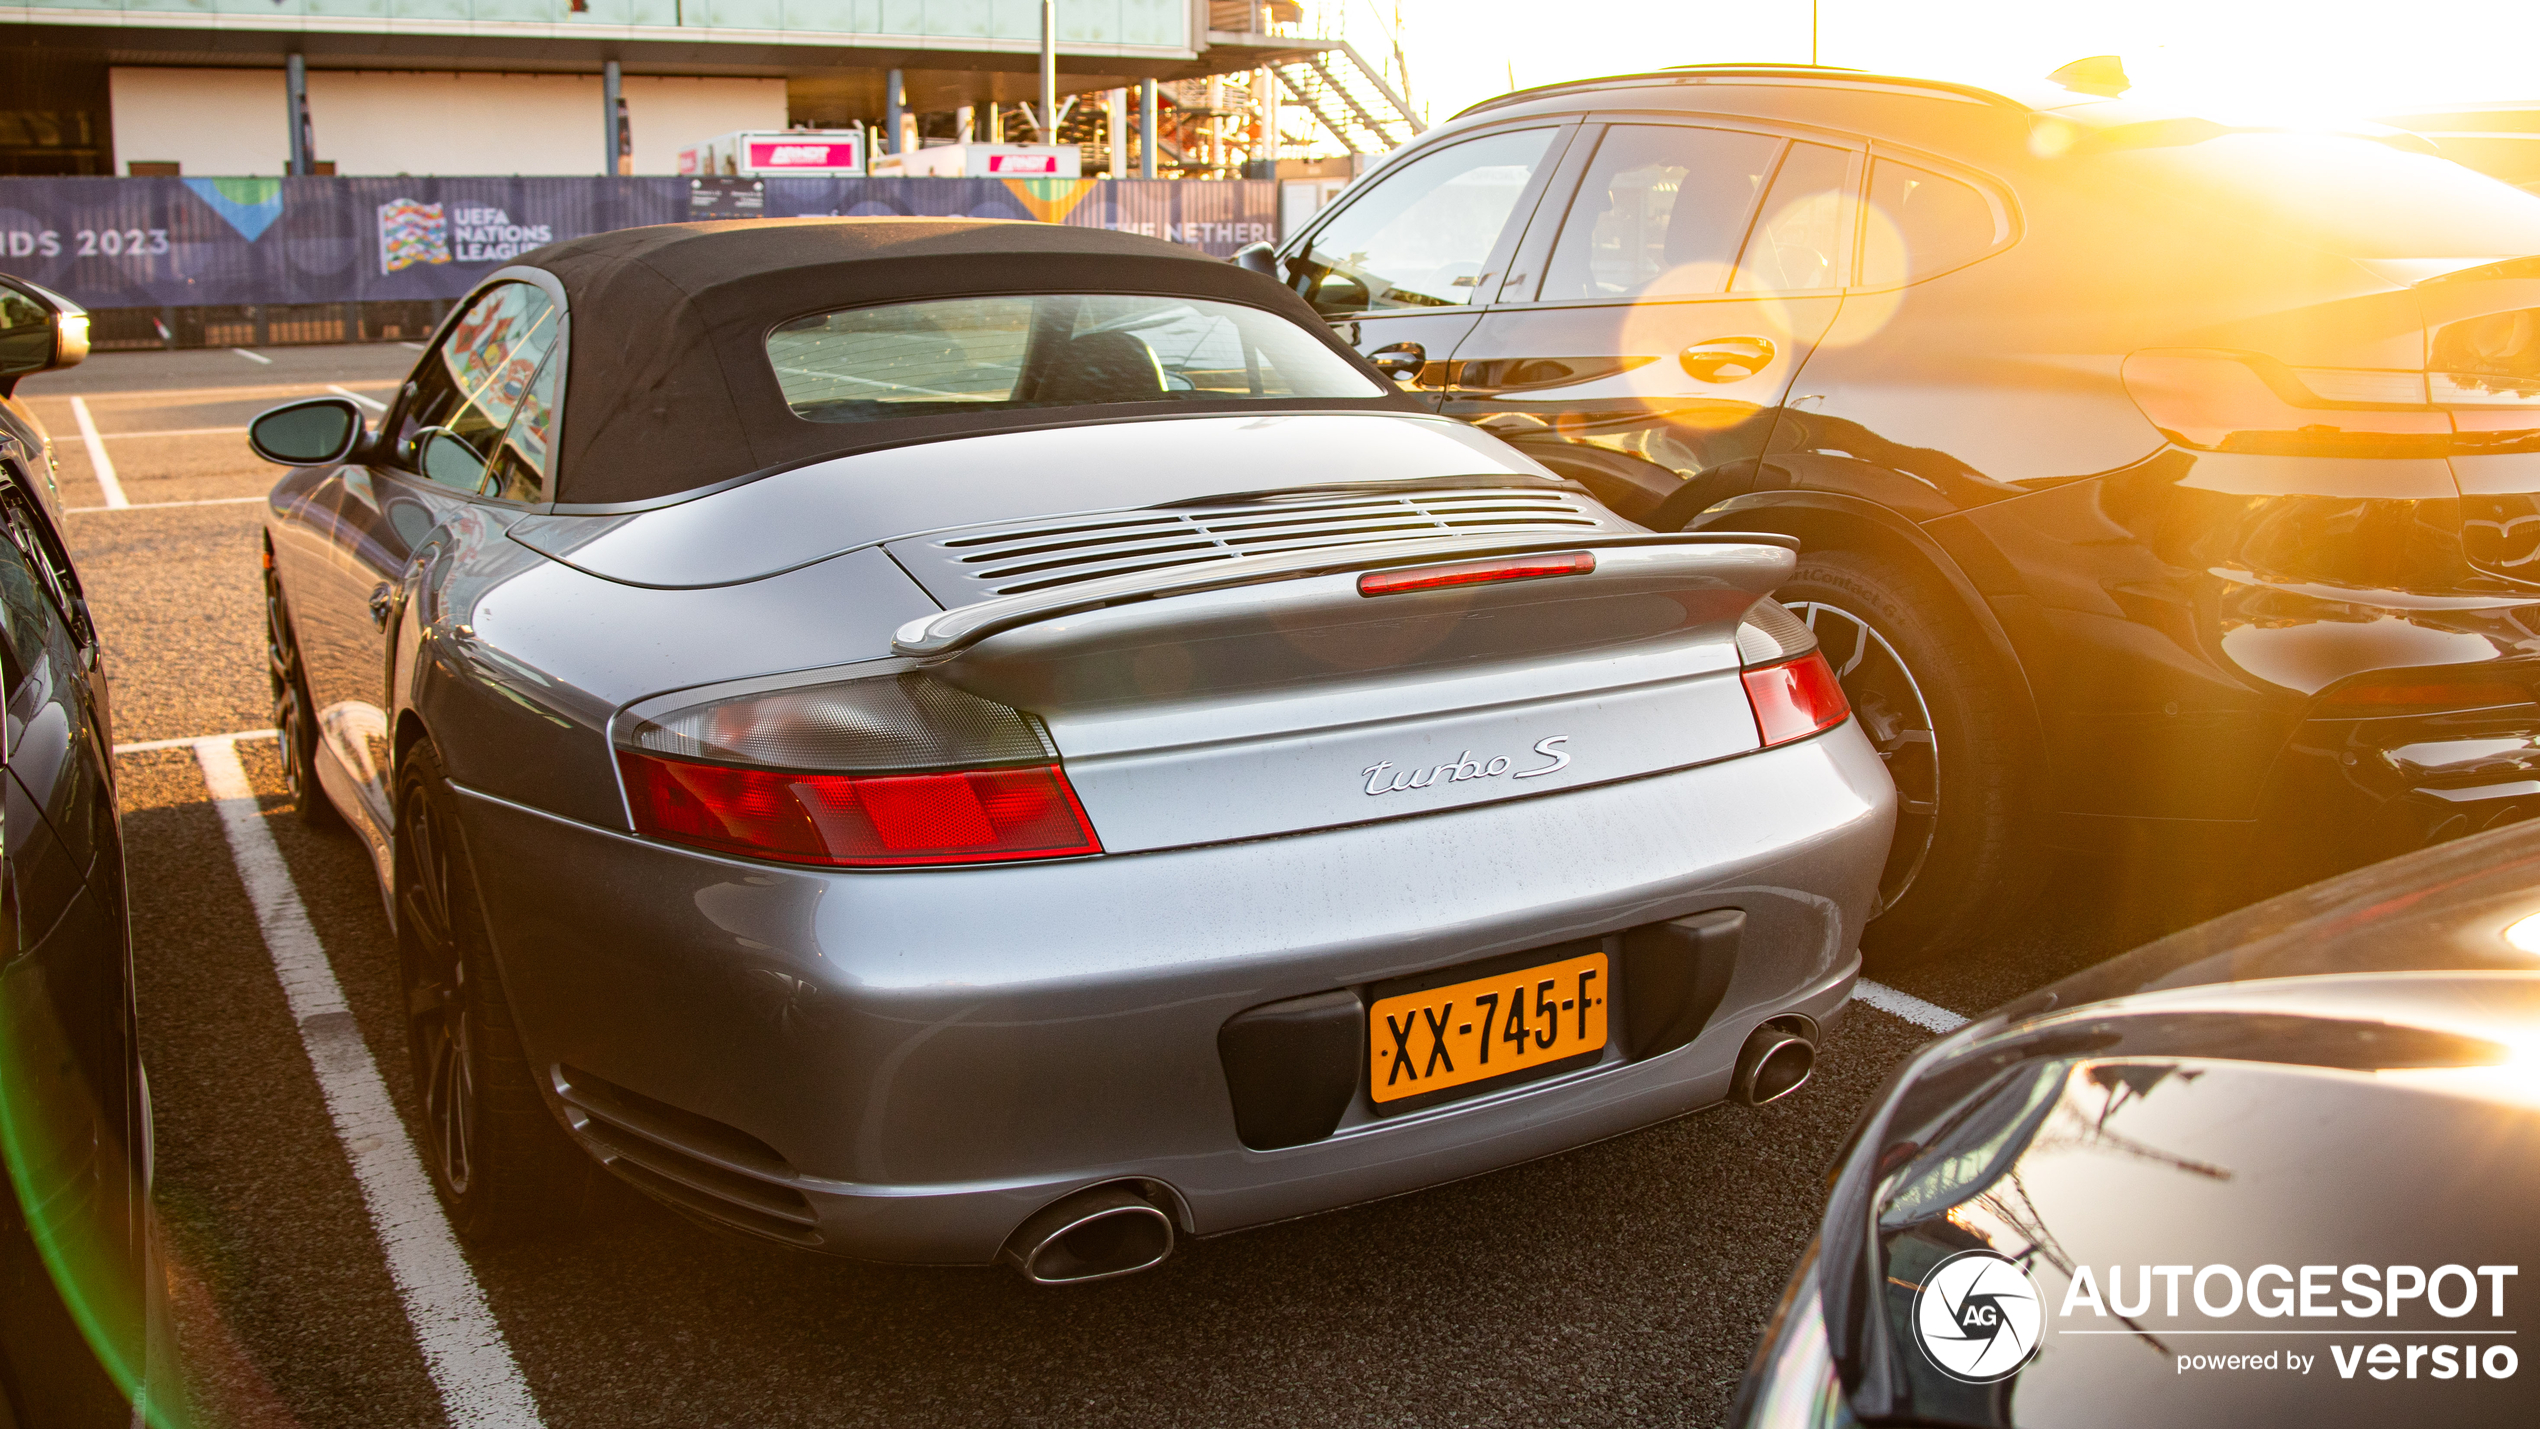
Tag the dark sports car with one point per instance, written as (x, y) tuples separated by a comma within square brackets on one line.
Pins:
[(76, 1269), (2168, 486), (2275, 1169), (928, 739)]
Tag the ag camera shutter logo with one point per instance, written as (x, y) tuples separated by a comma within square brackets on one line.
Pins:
[(1978, 1316)]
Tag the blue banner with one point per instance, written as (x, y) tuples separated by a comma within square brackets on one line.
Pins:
[(147, 243)]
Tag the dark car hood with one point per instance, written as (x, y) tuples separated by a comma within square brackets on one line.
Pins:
[(2257, 1133), (808, 513), (2346, 1076)]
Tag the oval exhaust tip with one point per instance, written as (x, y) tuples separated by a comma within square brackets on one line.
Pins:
[(1095, 1234), (1774, 1063)]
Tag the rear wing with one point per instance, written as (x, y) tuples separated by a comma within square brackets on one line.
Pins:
[(963, 626)]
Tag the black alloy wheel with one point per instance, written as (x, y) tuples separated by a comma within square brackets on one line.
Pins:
[(294, 713), (1941, 709), (501, 1163), (1890, 706)]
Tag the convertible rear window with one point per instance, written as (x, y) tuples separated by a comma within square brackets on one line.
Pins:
[(993, 354)]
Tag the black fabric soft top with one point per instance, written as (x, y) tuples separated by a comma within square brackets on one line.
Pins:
[(669, 388)]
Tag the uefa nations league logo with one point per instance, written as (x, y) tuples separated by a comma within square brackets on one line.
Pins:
[(1978, 1316)]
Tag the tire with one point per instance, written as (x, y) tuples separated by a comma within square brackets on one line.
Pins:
[(294, 714), (1945, 713), (503, 1166)]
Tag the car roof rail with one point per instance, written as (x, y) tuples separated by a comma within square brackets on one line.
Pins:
[(1828, 75)]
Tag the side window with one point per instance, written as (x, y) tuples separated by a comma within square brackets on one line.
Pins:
[(1660, 213), (1920, 223), (522, 465), (466, 391), (43, 550), (40, 611), (1803, 236), (1419, 235)]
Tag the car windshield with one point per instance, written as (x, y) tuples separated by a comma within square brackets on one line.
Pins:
[(992, 354)]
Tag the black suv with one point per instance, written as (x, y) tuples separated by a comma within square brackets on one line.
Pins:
[(2166, 485)]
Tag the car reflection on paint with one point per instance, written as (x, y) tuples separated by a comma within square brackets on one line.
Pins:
[(2274, 1169)]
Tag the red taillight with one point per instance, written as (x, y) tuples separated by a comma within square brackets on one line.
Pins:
[(1456, 573), (1795, 699), (856, 821)]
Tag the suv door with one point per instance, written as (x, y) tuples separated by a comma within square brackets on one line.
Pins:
[(471, 426), (1682, 286), (1404, 262)]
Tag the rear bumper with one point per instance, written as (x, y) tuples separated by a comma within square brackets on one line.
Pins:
[(2355, 791), (2344, 793), (904, 1066)]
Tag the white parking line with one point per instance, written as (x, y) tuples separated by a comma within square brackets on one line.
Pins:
[(1930, 1016), (371, 402), (163, 396), (415, 345), (463, 1347), (178, 432), (98, 462), (253, 356), (194, 741), (161, 505)]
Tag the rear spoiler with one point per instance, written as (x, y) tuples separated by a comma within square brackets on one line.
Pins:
[(966, 625)]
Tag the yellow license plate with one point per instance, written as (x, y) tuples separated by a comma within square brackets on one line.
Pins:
[(1493, 1026)]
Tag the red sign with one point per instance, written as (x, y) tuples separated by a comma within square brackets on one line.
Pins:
[(1023, 163), (801, 154)]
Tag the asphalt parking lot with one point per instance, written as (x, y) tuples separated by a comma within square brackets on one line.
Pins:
[(1621, 1284)]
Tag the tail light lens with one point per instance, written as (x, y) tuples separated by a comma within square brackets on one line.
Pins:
[(2488, 361), (1795, 699), (851, 821), (2219, 401), (887, 772), (2480, 392)]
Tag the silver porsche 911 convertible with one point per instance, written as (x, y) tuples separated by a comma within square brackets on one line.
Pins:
[(942, 741)]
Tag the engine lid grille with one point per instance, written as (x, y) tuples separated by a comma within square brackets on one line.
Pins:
[(981, 562)]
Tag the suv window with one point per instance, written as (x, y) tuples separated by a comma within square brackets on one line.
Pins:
[(1920, 223), (959, 355), (1660, 212), (1417, 237), (1803, 237), (467, 390)]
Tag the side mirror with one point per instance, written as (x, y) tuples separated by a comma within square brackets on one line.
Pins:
[(448, 458), (316, 432), (1258, 258), (39, 330), (1337, 293)]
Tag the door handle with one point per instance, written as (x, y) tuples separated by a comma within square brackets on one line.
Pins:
[(1726, 359), (1401, 362), (383, 600)]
